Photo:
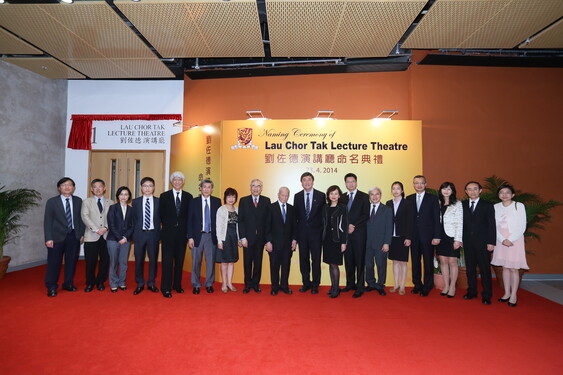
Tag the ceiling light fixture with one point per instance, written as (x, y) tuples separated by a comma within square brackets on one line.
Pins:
[(66, 1), (184, 126), (387, 113), (324, 115), (257, 116)]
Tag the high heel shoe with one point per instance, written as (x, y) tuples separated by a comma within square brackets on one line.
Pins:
[(443, 294), (232, 288), (401, 292), (393, 290), (451, 295), (512, 304), (224, 290), (503, 299)]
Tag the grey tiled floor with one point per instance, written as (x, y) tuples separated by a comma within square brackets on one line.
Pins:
[(550, 289)]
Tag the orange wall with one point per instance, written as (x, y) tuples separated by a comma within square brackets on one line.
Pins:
[(476, 122)]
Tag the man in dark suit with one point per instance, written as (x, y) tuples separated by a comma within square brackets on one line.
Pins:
[(253, 213), (426, 235), (146, 220), (379, 234), (281, 241), (479, 239), (202, 235), (357, 203), (64, 232), (309, 204), (174, 206)]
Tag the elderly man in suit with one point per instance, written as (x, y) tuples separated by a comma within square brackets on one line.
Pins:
[(94, 215), (174, 205), (146, 220), (309, 204), (357, 203), (426, 235), (479, 239), (202, 235), (64, 232), (379, 235), (253, 214), (281, 241)]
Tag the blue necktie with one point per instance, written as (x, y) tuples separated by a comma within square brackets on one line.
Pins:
[(283, 212), (350, 200), (68, 216), (207, 219), (147, 214), (307, 206)]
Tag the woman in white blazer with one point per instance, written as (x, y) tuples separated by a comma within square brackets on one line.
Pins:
[(451, 217), (227, 238)]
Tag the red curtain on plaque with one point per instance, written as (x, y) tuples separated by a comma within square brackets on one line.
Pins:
[(81, 132)]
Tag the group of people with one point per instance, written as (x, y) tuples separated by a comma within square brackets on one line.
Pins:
[(354, 228)]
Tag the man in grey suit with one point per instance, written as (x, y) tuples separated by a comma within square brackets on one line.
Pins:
[(379, 234), (64, 232)]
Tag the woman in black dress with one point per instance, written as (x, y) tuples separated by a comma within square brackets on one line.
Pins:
[(403, 219), (335, 225), (227, 238)]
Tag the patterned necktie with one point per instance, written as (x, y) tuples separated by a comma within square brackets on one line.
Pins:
[(472, 206), (68, 216), (350, 199), (255, 202), (372, 215), (100, 207), (207, 219), (307, 206), (147, 223), (418, 201), (177, 203), (283, 212)]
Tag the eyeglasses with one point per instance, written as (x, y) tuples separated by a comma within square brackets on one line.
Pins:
[(147, 186)]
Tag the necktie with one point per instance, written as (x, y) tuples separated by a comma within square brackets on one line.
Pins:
[(147, 222), (68, 216), (177, 203), (255, 202), (472, 206), (350, 199), (307, 206), (372, 215), (283, 212), (100, 207), (418, 201), (207, 219)]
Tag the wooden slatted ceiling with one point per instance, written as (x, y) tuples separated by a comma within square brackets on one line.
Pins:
[(45, 66), (552, 37), (12, 45)]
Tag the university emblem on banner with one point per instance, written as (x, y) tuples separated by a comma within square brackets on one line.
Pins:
[(244, 139)]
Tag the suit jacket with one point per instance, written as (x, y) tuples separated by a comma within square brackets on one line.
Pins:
[(94, 219), (479, 227), (281, 234), (138, 218), (338, 222), (427, 219), (403, 219), (313, 225), (195, 218), (171, 223), (359, 212), (54, 223), (118, 225), (253, 221), (380, 228)]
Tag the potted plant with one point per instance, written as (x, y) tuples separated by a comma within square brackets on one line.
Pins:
[(13, 203)]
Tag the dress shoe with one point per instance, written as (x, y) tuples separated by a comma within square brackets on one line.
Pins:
[(257, 289), (486, 301), (424, 293), (381, 292), (51, 293), (370, 288), (138, 290), (246, 290), (114, 290), (195, 291), (469, 296), (503, 299), (123, 287), (71, 288), (153, 289), (274, 292), (335, 293), (347, 288), (88, 288), (357, 294), (224, 290), (401, 292), (315, 290), (304, 288), (167, 294), (451, 295), (209, 289), (512, 304), (415, 291), (286, 290), (101, 286), (232, 288), (179, 290)]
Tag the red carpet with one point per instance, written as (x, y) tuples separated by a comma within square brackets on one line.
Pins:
[(105, 333)]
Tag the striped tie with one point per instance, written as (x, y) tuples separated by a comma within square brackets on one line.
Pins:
[(283, 212), (207, 219), (147, 224), (178, 203), (68, 216), (307, 207)]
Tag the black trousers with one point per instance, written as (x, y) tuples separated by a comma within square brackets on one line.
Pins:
[(173, 255), (310, 258), (478, 256), (94, 251), (280, 260), (146, 243), (355, 260), (252, 259), (69, 248), (424, 250)]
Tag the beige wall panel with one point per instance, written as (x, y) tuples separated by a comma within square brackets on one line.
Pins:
[(45, 66)]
